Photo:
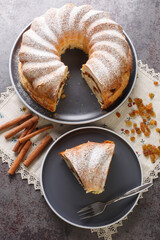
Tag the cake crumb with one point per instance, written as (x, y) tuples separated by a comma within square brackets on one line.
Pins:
[(55, 114), (63, 96)]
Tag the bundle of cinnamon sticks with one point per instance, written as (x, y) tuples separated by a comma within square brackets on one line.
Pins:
[(27, 124)]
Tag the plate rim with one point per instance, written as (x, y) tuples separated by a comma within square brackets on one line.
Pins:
[(41, 181), (62, 121)]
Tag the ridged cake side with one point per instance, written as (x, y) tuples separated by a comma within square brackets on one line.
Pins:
[(107, 70)]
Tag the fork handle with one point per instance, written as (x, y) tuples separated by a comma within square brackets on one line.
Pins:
[(130, 193)]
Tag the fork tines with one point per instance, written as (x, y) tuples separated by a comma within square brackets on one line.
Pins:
[(86, 212)]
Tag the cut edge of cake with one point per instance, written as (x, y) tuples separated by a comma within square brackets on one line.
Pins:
[(89, 184)]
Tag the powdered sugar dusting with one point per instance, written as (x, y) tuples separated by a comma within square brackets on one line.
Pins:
[(75, 17), (30, 54), (72, 26), (91, 162), (49, 83), (35, 70), (42, 29)]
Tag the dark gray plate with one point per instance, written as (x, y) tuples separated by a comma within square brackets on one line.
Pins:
[(80, 106), (64, 194)]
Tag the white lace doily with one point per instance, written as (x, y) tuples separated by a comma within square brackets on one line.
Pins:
[(144, 85)]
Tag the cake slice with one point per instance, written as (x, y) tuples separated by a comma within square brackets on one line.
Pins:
[(89, 162)]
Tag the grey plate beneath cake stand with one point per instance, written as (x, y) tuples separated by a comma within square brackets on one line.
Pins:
[(80, 106)]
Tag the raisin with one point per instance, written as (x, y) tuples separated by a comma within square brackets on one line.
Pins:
[(132, 114), (153, 122), (126, 131), (132, 131), (156, 83), (135, 125), (138, 131), (118, 114), (151, 95), (128, 123), (132, 139)]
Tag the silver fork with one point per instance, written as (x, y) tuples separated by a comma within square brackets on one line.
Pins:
[(97, 208)]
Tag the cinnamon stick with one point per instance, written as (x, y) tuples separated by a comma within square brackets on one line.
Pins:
[(29, 136), (37, 150), (29, 131), (24, 133), (15, 121), (21, 127), (19, 158), (32, 128)]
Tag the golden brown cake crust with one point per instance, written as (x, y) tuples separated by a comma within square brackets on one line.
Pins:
[(43, 75), (109, 100), (41, 99), (90, 162)]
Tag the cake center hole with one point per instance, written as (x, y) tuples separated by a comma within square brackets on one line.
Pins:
[(74, 59)]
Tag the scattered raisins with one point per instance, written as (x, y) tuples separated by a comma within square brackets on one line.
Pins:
[(138, 102), (152, 151), (145, 150)]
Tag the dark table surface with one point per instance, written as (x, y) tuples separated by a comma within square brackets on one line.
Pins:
[(24, 213)]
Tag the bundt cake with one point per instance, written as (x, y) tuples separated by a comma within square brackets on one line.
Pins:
[(107, 71), (89, 162)]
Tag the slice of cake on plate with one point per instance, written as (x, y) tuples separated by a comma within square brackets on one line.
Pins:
[(89, 162)]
